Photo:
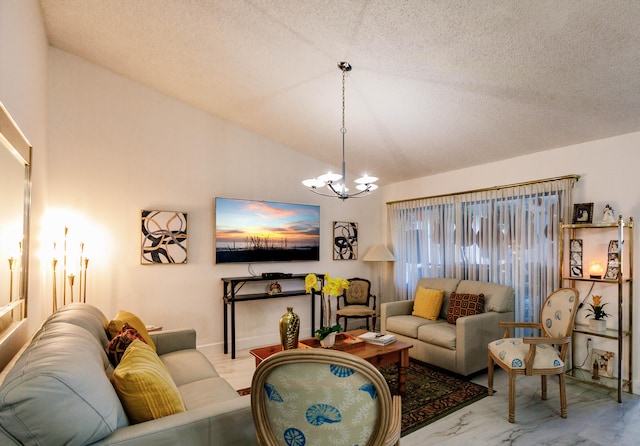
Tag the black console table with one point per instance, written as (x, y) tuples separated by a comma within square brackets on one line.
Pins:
[(231, 287)]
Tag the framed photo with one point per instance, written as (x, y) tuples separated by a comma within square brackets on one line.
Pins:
[(575, 261), (583, 213), (613, 261), (345, 240), (164, 237), (604, 361)]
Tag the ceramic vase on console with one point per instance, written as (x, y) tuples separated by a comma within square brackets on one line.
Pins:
[(328, 340), (289, 329)]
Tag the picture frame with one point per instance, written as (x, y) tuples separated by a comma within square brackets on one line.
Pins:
[(164, 237), (604, 361), (613, 261), (582, 213), (345, 240), (575, 258)]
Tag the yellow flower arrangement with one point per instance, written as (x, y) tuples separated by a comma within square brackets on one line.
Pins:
[(333, 286)]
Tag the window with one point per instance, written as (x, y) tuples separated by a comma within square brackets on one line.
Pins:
[(504, 235)]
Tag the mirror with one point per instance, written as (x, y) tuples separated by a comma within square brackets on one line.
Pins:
[(15, 183)]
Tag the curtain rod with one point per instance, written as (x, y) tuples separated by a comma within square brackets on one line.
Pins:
[(525, 183)]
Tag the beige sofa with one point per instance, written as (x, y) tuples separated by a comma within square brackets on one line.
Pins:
[(459, 347), (59, 391)]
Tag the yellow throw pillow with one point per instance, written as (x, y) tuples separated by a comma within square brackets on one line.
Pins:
[(144, 385), (116, 324), (427, 303)]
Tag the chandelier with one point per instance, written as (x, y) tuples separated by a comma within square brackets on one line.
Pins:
[(332, 181)]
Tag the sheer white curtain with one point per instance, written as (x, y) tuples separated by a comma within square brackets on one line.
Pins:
[(506, 235)]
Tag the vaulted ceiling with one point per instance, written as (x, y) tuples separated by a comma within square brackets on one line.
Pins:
[(436, 85)]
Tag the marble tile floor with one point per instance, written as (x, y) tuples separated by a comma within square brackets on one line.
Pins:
[(594, 415)]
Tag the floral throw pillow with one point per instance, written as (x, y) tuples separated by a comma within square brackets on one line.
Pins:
[(464, 305), (120, 342)]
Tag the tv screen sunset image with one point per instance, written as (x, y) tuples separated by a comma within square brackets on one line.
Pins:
[(264, 231)]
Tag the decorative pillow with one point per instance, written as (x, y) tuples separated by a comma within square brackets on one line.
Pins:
[(464, 305), (120, 342), (144, 385), (427, 303), (115, 326)]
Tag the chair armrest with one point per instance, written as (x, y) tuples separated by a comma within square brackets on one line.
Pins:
[(546, 341), (172, 340), (509, 325), (533, 342)]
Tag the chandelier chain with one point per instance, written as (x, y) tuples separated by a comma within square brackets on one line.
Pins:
[(365, 184), (344, 77)]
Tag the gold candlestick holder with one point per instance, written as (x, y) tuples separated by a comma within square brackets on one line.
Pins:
[(84, 272), (54, 280), (12, 265), (71, 280)]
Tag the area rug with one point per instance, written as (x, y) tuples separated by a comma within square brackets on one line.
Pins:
[(432, 393)]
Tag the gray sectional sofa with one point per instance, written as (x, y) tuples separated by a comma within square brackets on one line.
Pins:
[(460, 347), (59, 391)]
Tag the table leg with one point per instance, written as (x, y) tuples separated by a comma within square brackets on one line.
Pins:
[(402, 371)]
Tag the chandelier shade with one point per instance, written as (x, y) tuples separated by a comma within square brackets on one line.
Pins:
[(334, 182)]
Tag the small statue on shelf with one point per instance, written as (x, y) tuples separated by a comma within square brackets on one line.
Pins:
[(607, 214)]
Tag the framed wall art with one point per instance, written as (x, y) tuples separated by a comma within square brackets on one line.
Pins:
[(345, 240), (575, 257), (164, 237), (583, 213)]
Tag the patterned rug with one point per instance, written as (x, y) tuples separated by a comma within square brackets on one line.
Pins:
[(432, 393)]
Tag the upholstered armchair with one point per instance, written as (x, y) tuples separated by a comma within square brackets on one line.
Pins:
[(543, 355), (357, 302), (316, 396)]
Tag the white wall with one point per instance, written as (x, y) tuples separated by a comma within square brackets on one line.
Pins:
[(117, 147), (608, 170)]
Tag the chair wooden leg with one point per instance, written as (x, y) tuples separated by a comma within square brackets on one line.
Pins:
[(512, 397), (367, 323), (563, 396), (543, 384), (490, 375)]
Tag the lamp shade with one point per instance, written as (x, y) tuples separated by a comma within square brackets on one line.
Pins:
[(378, 253)]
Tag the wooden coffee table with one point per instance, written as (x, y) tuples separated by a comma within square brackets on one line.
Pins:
[(379, 355)]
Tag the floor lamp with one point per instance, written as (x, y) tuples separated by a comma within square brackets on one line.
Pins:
[(378, 253)]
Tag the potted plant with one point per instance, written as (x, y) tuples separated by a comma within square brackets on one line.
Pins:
[(598, 322), (333, 286)]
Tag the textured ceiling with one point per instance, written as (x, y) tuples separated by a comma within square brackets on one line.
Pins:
[(436, 85)]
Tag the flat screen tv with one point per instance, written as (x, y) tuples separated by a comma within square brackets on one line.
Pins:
[(249, 231)]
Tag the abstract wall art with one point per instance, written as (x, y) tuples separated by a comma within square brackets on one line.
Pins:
[(345, 240), (164, 237)]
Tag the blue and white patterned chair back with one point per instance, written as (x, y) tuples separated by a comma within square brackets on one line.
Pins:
[(308, 397), (558, 313)]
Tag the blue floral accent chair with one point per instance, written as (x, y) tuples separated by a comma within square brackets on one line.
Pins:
[(308, 397), (543, 355)]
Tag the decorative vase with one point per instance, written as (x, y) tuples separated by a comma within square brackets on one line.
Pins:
[(328, 340), (289, 329), (598, 324)]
